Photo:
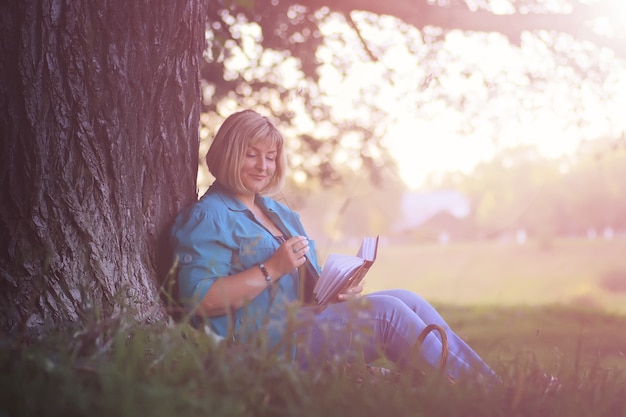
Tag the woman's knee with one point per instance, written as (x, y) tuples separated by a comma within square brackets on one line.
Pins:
[(387, 305), (413, 300)]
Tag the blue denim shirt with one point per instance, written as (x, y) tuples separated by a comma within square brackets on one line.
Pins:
[(217, 237)]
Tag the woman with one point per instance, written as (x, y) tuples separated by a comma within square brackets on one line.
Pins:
[(239, 255)]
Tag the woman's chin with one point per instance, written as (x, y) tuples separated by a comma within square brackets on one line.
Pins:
[(254, 189)]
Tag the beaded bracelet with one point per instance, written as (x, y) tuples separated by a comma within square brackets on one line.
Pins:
[(266, 274)]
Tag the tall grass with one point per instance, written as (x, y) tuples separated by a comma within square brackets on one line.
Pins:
[(118, 367)]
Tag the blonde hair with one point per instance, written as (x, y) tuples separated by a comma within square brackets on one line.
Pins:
[(225, 156)]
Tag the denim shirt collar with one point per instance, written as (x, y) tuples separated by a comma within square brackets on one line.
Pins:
[(234, 204), (227, 196)]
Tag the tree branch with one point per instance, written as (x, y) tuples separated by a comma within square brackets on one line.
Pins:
[(420, 14), (363, 42)]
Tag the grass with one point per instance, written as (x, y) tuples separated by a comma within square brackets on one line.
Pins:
[(123, 368)]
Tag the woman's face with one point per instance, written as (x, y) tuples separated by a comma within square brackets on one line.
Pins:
[(259, 165)]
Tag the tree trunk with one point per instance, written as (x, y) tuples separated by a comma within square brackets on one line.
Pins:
[(100, 109)]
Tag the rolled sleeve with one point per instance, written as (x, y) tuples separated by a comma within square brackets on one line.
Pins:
[(200, 256)]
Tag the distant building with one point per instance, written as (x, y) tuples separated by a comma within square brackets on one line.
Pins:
[(437, 216)]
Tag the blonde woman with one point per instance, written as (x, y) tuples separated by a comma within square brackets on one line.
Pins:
[(239, 254)]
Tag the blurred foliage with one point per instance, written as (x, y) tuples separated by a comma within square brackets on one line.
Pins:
[(574, 195), (518, 191), (271, 65), (271, 55)]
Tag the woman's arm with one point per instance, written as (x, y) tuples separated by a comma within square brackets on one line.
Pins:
[(233, 291), (236, 290)]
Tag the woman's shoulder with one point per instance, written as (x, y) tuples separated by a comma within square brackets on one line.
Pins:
[(213, 202), (210, 202), (205, 209)]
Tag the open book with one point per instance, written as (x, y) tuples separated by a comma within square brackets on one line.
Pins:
[(343, 271)]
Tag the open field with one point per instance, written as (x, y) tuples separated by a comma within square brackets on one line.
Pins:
[(562, 304), (561, 340), (575, 272)]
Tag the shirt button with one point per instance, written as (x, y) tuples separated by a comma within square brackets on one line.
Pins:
[(187, 258)]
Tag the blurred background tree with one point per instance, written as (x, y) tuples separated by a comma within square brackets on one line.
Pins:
[(286, 58), (426, 60)]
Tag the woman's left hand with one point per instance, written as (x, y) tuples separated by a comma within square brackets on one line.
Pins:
[(351, 293)]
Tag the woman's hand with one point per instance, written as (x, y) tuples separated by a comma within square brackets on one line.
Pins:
[(351, 293), (289, 256)]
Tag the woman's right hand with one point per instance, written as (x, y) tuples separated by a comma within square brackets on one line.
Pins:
[(289, 256)]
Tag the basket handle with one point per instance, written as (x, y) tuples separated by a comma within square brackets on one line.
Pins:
[(444, 342)]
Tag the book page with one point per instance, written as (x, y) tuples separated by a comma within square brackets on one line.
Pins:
[(368, 249), (337, 271), (343, 271)]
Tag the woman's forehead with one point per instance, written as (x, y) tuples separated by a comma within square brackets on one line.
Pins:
[(264, 144)]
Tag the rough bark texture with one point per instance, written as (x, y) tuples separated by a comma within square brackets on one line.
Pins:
[(99, 119)]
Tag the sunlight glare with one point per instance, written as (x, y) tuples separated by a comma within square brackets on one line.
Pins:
[(484, 72), (426, 147)]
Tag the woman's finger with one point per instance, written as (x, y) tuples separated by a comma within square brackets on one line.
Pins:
[(298, 244)]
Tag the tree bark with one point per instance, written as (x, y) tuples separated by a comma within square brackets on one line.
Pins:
[(100, 109)]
